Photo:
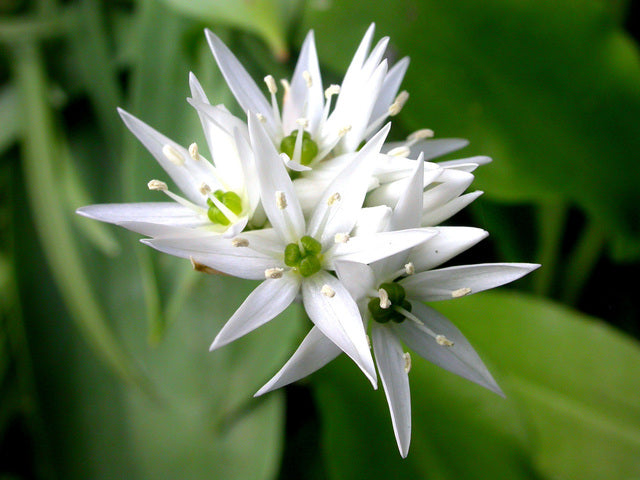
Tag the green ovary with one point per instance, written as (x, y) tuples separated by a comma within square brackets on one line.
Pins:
[(307, 260), (397, 297), (231, 200), (309, 147)]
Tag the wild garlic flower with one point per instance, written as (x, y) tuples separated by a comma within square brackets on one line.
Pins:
[(220, 197), (296, 256), (311, 126), (391, 294)]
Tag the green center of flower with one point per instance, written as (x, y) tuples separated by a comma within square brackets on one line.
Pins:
[(307, 260), (231, 200), (397, 298), (309, 147)]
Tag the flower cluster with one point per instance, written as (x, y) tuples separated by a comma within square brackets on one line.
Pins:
[(307, 196)]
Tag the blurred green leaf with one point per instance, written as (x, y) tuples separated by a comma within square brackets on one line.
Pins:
[(9, 117), (550, 89), (575, 378), (458, 429), (267, 18)]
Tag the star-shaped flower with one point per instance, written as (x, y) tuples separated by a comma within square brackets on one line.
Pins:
[(391, 292), (296, 256), (220, 197)]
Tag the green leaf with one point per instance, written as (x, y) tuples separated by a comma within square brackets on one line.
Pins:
[(575, 378), (551, 90), (9, 117), (267, 18), (458, 429)]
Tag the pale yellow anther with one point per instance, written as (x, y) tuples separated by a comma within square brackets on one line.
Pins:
[(239, 242), (273, 273), (173, 155), (200, 267), (444, 341), (407, 362), (344, 130), (285, 85), (333, 199), (327, 291), (461, 292), (420, 135), (307, 78), (303, 122), (205, 189), (271, 84), (341, 237), (384, 298), (157, 185), (402, 151), (409, 269), (331, 90), (261, 118), (398, 103), (281, 200), (193, 151)]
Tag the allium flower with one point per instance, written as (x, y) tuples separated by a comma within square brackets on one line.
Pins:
[(220, 197), (296, 255), (391, 292)]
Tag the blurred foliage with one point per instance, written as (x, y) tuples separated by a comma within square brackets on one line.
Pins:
[(104, 369)]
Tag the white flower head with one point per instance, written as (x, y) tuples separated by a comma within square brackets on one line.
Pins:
[(391, 293), (295, 256)]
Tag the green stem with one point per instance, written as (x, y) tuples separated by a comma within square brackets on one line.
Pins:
[(40, 155), (582, 261), (552, 216)]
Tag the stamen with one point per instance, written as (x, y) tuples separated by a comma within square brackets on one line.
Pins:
[(281, 200), (331, 91), (173, 155), (327, 291), (344, 130), (402, 151), (384, 298), (239, 242), (303, 122), (307, 78), (285, 85), (273, 273), (157, 185), (271, 84), (409, 269), (398, 103), (461, 292), (333, 199), (420, 135), (193, 151), (444, 341), (407, 362), (341, 238), (199, 267), (261, 118), (205, 189)]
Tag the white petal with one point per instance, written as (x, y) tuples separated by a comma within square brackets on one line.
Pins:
[(468, 164), (449, 242), (315, 351), (154, 141), (351, 185), (338, 318), (447, 283), (220, 253), (300, 94), (446, 211), (372, 220), (369, 248), (451, 184), (408, 211), (273, 178), (395, 380), (431, 148), (357, 277), (163, 213), (247, 93), (389, 89), (267, 301), (460, 358)]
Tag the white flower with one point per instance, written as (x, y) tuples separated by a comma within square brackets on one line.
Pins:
[(221, 197), (366, 97), (391, 293), (296, 255)]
